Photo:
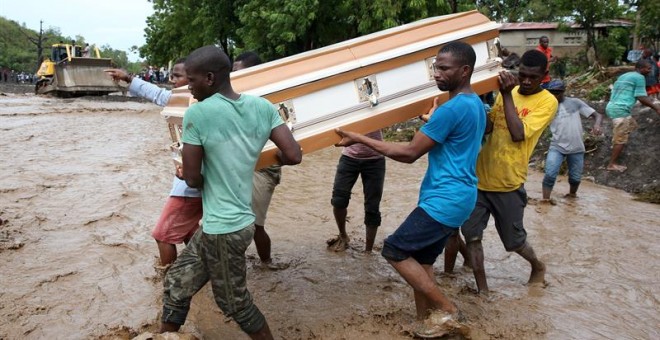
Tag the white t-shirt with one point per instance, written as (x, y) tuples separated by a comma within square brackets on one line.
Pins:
[(566, 128)]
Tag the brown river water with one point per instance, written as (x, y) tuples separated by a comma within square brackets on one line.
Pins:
[(84, 182)]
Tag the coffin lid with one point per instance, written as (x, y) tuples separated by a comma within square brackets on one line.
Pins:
[(299, 69)]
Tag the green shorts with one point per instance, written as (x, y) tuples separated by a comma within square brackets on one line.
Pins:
[(221, 260)]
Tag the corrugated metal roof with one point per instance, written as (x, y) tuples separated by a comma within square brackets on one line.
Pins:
[(517, 26), (511, 26)]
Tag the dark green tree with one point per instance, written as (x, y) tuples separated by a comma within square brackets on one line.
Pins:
[(276, 28), (179, 26), (645, 14), (587, 13), (20, 45)]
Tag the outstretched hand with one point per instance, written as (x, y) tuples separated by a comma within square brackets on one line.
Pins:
[(596, 131), (118, 74), (347, 138), (179, 172), (425, 117), (507, 81)]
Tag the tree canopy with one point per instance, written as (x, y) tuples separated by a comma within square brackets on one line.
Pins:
[(19, 51), (280, 28), (275, 28)]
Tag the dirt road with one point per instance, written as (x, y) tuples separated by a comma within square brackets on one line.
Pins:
[(84, 182)]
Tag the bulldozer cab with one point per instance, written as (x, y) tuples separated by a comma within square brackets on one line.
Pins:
[(60, 52)]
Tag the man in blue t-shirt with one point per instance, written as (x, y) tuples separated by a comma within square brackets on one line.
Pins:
[(224, 134), (628, 88), (452, 138)]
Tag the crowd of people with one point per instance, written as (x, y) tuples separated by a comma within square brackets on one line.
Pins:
[(8, 75), (155, 75), (478, 161)]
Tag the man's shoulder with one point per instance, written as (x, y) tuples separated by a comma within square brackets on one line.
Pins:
[(252, 98), (573, 101), (577, 104), (462, 99), (630, 76), (455, 107), (540, 103)]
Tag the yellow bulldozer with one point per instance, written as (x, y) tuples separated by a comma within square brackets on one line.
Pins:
[(71, 72)]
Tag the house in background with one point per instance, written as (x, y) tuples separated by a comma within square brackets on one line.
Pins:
[(519, 37)]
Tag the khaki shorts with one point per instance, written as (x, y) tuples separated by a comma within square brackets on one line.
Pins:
[(621, 129), (264, 182)]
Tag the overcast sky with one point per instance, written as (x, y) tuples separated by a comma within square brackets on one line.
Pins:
[(118, 23)]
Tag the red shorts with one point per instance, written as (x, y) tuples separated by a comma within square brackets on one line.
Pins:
[(653, 89), (179, 219)]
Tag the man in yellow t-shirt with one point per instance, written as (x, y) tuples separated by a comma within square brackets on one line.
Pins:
[(518, 118)]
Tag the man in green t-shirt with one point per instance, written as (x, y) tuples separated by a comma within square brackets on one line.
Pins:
[(629, 88), (224, 134)]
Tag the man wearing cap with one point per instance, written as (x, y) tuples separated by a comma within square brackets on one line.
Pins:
[(566, 143)]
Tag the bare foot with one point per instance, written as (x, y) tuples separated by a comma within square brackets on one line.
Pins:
[(570, 195), (616, 167), (538, 274)]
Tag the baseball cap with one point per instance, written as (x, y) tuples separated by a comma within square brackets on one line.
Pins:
[(556, 85)]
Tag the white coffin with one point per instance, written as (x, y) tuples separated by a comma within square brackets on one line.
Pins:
[(361, 85)]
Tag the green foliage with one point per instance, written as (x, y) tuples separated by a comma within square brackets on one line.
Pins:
[(587, 13), (20, 50), (612, 47), (120, 59), (577, 64), (276, 28), (600, 92), (646, 14), (177, 27), (402, 132), (17, 43), (522, 10)]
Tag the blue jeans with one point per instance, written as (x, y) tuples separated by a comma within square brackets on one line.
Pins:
[(575, 162)]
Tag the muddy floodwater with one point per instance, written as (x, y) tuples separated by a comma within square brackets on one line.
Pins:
[(83, 182)]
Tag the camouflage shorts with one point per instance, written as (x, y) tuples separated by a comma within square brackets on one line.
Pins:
[(221, 260)]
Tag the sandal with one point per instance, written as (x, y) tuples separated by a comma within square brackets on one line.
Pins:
[(440, 323), (337, 244), (550, 201), (617, 167)]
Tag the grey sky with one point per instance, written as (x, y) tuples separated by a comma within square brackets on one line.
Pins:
[(118, 23)]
